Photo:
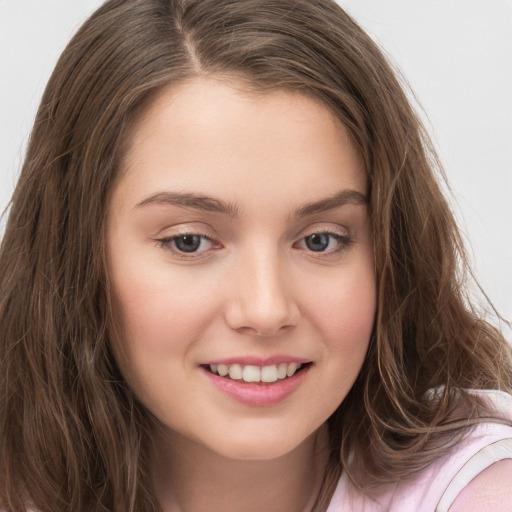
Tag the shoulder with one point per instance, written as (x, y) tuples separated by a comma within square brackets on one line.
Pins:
[(473, 476), (489, 491), (476, 472), (482, 478)]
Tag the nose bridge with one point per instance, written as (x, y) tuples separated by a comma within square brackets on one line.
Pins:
[(262, 300)]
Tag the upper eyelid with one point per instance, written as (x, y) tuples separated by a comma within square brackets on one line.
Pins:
[(326, 228), (184, 233), (211, 234), (338, 236), (187, 228), (206, 231)]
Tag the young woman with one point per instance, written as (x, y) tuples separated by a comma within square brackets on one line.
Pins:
[(229, 280)]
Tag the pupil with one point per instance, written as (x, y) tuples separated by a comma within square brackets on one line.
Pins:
[(317, 242), (188, 243)]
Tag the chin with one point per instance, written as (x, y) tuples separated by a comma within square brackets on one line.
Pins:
[(262, 447)]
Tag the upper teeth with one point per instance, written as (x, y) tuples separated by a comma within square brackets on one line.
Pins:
[(250, 373)]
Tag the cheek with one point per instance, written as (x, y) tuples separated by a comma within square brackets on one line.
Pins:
[(353, 319), (340, 313), (160, 318), (344, 309), (162, 311)]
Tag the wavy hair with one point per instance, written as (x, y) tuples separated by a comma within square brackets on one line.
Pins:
[(72, 434)]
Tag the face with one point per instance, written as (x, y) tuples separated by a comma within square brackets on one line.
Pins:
[(241, 264)]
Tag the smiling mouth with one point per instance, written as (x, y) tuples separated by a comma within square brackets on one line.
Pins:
[(256, 374)]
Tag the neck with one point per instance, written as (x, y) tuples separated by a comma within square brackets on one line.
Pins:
[(193, 478)]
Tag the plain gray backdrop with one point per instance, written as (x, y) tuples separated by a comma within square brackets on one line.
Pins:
[(455, 54)]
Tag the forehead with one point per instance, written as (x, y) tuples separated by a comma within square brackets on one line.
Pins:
[(212, 136)]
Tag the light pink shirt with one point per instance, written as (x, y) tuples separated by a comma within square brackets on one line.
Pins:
[(436, 488)]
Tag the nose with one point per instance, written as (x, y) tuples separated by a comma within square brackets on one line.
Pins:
[(261, 299)]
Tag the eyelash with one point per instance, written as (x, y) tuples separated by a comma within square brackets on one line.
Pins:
[(169, 244), (344, 242)]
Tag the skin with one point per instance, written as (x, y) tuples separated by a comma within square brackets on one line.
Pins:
[(253, 287), (490, 491)]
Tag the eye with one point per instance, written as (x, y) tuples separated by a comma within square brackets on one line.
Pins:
[(190, 243), (324, 242), (187, 244), (318, 242)]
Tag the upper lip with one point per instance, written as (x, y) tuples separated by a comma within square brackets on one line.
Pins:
[(258, 361)]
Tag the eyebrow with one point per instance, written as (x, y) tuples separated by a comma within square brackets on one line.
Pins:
[(330, 203), (194, 201), (210, 204)]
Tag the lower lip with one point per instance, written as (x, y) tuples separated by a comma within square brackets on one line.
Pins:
[(258, 394)]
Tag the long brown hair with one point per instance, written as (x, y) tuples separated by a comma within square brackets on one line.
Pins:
[(72, 434)]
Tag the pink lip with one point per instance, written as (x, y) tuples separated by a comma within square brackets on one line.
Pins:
[(257, 394), (258, 361)]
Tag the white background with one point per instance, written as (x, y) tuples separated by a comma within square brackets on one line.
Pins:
[(455, 54)]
